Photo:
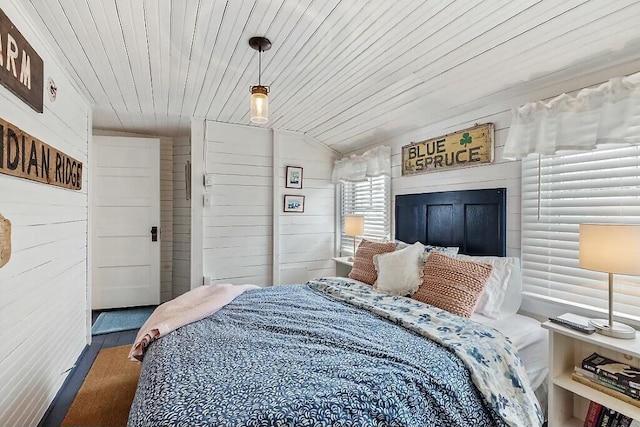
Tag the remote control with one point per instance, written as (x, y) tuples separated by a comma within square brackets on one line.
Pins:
[(587, 329)]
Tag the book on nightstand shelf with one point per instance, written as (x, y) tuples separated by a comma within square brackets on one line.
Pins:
[(606, 390), (606, 382), (613, 378), (601, 416), (622, 373), (593, 414), (617, 376)]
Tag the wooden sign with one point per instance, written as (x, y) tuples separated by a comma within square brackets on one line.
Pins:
[(5, 240), (464, 148), (21, 68), (26, 157)]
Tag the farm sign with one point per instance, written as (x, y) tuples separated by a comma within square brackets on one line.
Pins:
[(21, 68), (26, 157), (464, 148)]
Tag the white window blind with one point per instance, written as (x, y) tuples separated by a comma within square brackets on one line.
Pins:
[(370, 198), (560, 192)]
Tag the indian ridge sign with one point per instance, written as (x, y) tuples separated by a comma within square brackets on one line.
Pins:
[(463, 148), (24, 156), (21, 68)]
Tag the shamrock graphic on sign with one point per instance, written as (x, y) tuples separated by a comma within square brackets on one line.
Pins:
[(466, 139)]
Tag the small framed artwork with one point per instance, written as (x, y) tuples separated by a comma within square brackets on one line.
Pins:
[(294, 177), (293, 203)]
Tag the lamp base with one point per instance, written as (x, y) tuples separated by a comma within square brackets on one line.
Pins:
[(619, 330)]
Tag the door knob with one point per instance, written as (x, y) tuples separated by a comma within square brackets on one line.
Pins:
[(154, 233)]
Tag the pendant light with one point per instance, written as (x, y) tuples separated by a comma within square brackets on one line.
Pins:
[(259, 93)]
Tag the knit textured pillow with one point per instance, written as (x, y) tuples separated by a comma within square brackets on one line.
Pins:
[(363, 268), (452, 284)]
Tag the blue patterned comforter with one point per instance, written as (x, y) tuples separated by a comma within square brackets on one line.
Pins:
[(332, 353)]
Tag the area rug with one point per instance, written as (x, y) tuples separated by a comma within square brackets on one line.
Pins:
[(121, 320), (106, 394)]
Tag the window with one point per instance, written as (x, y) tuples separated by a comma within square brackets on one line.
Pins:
[(558, 193), (371, 199)]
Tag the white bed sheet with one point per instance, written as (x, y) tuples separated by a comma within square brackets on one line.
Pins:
[(531, 341)]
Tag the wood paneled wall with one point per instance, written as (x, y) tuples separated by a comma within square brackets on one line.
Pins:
[(306, 240), (166, 219), (501, 173), (43, 288), (247, 236), (238, 230), (181, 218)]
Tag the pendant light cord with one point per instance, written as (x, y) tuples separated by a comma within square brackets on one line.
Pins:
[(259, 65)]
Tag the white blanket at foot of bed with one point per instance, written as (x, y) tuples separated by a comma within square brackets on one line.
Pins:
[(187, 308)]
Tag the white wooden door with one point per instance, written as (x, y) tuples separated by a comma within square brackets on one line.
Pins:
[(125, 197)]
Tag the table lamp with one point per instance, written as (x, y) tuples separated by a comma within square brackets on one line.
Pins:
[(611, 248), (353, 226)]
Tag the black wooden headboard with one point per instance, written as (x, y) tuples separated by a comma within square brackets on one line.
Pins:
[(473, 220)]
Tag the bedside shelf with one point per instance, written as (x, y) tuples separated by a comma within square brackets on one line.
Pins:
[(565, 381), (568, 399)]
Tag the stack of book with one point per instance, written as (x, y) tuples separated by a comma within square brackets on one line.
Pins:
[(614, 378), (601, 416)]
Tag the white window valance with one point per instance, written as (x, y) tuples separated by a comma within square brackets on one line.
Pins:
[(374, 162), (609, 113)]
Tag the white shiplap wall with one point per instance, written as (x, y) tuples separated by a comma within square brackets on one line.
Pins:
[(306, 240), (246, 225), (166, 219), (502, 173), (43, 288), (181, 218), (237, 228)]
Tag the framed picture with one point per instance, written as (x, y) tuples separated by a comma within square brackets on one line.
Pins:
[(293, 203), (294, 177)]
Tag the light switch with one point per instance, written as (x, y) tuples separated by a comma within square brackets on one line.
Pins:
[(207, 200), (208, 180)]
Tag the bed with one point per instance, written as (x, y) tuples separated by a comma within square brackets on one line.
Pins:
[(337, 352), (475, 221)]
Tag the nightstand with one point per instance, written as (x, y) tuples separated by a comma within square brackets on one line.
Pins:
[(343, 266), (568, 399)]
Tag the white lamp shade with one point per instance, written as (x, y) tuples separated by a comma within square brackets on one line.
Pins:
[(259, 106), (611, 248), (353, 225)]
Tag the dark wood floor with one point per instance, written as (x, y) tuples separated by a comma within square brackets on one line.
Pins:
[(58, 408)]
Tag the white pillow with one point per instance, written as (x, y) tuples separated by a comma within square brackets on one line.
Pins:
[(502, 295), (399, 272)]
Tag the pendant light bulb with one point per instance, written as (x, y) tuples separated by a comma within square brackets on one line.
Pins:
[(259, 104)]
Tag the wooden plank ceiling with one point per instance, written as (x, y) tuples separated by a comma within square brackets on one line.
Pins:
[(347, 72)]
